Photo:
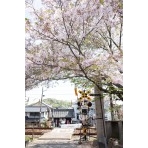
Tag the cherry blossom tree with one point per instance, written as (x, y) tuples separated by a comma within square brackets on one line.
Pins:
[(75, 39)]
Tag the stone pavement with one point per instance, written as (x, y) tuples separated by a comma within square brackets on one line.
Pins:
[(58, 138), (58, 134), (57, 144)]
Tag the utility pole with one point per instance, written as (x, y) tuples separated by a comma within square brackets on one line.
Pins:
[(41, 107), (111, 106), (100, 119), (26, 99)]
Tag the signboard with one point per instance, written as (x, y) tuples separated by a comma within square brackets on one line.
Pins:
[(95, 94)]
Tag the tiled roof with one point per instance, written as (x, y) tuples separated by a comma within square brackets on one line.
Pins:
[(35, 109), (63, 113), (39, 103)]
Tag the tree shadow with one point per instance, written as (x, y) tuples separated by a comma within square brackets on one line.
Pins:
[(55, 145)]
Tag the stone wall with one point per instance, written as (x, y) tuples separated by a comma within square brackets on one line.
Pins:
[(114, 129)]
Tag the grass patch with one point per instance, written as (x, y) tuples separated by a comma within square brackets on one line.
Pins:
[(27, 138)]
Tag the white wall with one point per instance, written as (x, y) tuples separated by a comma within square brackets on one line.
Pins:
[(75, 106), (27, 114), (46, 115)]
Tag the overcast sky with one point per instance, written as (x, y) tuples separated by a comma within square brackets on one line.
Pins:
[(61, 91)]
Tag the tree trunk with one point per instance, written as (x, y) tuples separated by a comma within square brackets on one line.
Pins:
[(100, 119)]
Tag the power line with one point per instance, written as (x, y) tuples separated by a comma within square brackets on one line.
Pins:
[(51, 94)]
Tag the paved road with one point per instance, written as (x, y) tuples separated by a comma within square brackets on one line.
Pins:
[(58, 144), (58, 134), (58, 138)]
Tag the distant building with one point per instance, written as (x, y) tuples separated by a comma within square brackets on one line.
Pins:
[(56, 115), (62, 116), (37, 112)]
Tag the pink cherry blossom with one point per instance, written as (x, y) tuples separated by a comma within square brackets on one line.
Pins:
[(69, 39)]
